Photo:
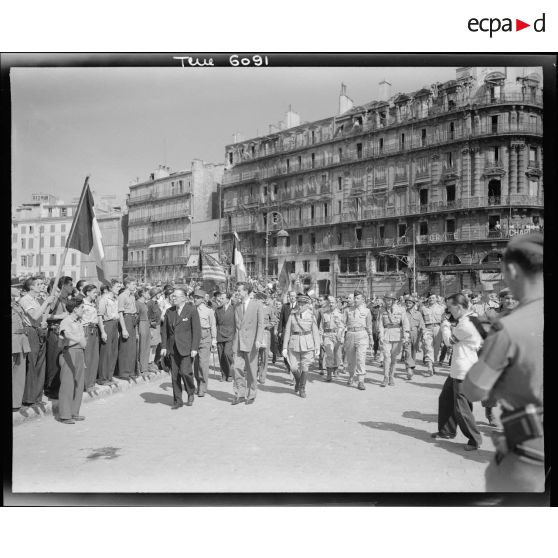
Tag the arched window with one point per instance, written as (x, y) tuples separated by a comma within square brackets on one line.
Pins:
[(492, 257), (451, 259)]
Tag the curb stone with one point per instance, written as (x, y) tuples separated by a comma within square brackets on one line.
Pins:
[(25, 414)]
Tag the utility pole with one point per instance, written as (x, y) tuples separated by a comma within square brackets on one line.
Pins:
[(266, 245), (414, 262), (220, 186)]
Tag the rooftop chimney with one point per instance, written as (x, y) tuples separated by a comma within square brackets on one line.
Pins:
[(345, 102), (384, 90), (292, 118), (237, 137)]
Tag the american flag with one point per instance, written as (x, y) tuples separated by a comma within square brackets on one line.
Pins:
[(210, 268)]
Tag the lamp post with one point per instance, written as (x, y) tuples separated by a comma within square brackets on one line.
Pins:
[(280, 234)]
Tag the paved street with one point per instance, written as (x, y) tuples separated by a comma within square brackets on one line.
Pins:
[(338, 439)]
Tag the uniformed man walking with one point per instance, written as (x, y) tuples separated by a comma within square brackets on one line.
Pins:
[(510, 370), (432, 337), (331, 330), (394, 331), (416, 329), (301, 341), (208, 341), (358, 339)]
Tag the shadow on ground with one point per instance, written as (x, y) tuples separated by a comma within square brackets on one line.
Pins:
[(221, 395), (417, 415), (480, 456), (149, 397)]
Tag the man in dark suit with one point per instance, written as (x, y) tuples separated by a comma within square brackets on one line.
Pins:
[(180, 338), (248, 338), (224, 316), (283, 319)]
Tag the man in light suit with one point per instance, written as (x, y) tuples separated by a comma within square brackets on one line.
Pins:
[(248, 338), (180, 338)]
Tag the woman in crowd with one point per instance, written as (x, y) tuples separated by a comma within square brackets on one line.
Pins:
[(454, 409)]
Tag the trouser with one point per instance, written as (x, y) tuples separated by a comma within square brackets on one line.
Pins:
[(390, 350), (19, 364), (411, 349), (356, 345), (36, 365), (285, 360), (321, 359), (443, 352), (245, 370), (516, 473), (108, 352), (127, 349), (432, 340), (263, 357), (274, 345), (181, 374), (224, 350), (332, 349), (376, 341), (72, 370), (201, 362), (454, 409), (300, 362), (91, 356), (144, 337), (55, 345)]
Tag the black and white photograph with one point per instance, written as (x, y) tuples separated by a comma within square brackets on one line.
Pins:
[(278, 274)]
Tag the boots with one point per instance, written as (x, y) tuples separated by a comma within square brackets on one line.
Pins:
[(410, 373), (490, 416), (296, 375), (430, 371), (329, 375), (303, 376)]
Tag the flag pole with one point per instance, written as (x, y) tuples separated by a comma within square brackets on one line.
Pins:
[(65, 253)]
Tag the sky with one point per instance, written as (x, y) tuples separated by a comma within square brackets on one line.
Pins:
[(116, 124)]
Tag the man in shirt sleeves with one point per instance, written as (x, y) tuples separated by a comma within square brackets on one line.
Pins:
[(180, 339)]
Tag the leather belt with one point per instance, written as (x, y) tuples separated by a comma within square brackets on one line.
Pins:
[(301, 332), (355, 329), (432, 324), (330, 330), (67, 347), (392, 326), (109, 320)]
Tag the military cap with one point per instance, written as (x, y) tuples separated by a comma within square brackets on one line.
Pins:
[(409, 297), (532, 243), (303, 299), (391, 295), (356, 293), (504, 292), (199, 293), (154, 292)]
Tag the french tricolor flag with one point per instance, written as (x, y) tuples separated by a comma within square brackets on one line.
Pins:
[(85, 235)]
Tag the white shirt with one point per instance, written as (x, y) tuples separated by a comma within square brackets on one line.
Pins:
[(466, 341)]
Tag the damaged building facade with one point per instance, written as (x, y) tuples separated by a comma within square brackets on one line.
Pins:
[(420, 189), (167, 215)]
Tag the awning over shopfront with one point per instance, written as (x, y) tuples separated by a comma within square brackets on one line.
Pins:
[(165, 244)]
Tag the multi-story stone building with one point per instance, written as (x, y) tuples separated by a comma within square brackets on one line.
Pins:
[(447, 173), (161, 212)]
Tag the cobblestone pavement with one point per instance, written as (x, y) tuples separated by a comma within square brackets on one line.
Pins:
[(338, 439)]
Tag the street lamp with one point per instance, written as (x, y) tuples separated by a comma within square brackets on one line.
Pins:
[(280, 234)]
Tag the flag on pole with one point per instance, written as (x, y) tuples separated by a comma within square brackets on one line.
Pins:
[(85, 235), (238, 260), (284, 278), (210, 268)]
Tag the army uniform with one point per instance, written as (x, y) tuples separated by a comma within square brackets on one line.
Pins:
[(416, 329), (331, 335), (358, 338), (510, 370), (301, 340), (208, 338), (127, 349), (394, 331), (90, 322), (270, 322), (432, 335), (20, 350)]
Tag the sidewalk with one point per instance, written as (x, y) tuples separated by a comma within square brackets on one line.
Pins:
[(47, 406)]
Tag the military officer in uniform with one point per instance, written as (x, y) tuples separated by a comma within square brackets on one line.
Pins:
[(394, 331), (301, 341), (270, 321), (510, 370), (358, 338), (20, 350), (128, 314), (331, 336), (208, 341), (432, 337), (90, 323), (416, 329)]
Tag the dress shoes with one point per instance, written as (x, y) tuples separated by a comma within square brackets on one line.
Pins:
[(442, 436), (67, 421), (190, 401), (176, 406), (229, 379), (391, 382), (250, 401), (470, 447), (201, 394), (361, 386), (237, 400), (78, 417)]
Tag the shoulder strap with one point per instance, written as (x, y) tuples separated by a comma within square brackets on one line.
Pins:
[(478, 326)]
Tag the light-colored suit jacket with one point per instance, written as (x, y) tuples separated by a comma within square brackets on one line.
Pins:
[(248, 326)]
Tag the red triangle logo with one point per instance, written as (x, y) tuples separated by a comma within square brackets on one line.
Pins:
[(519, 25)]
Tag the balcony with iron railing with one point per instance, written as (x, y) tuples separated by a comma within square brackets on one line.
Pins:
[(177, 260), (135, 200), (174, 214), (138, 219)]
